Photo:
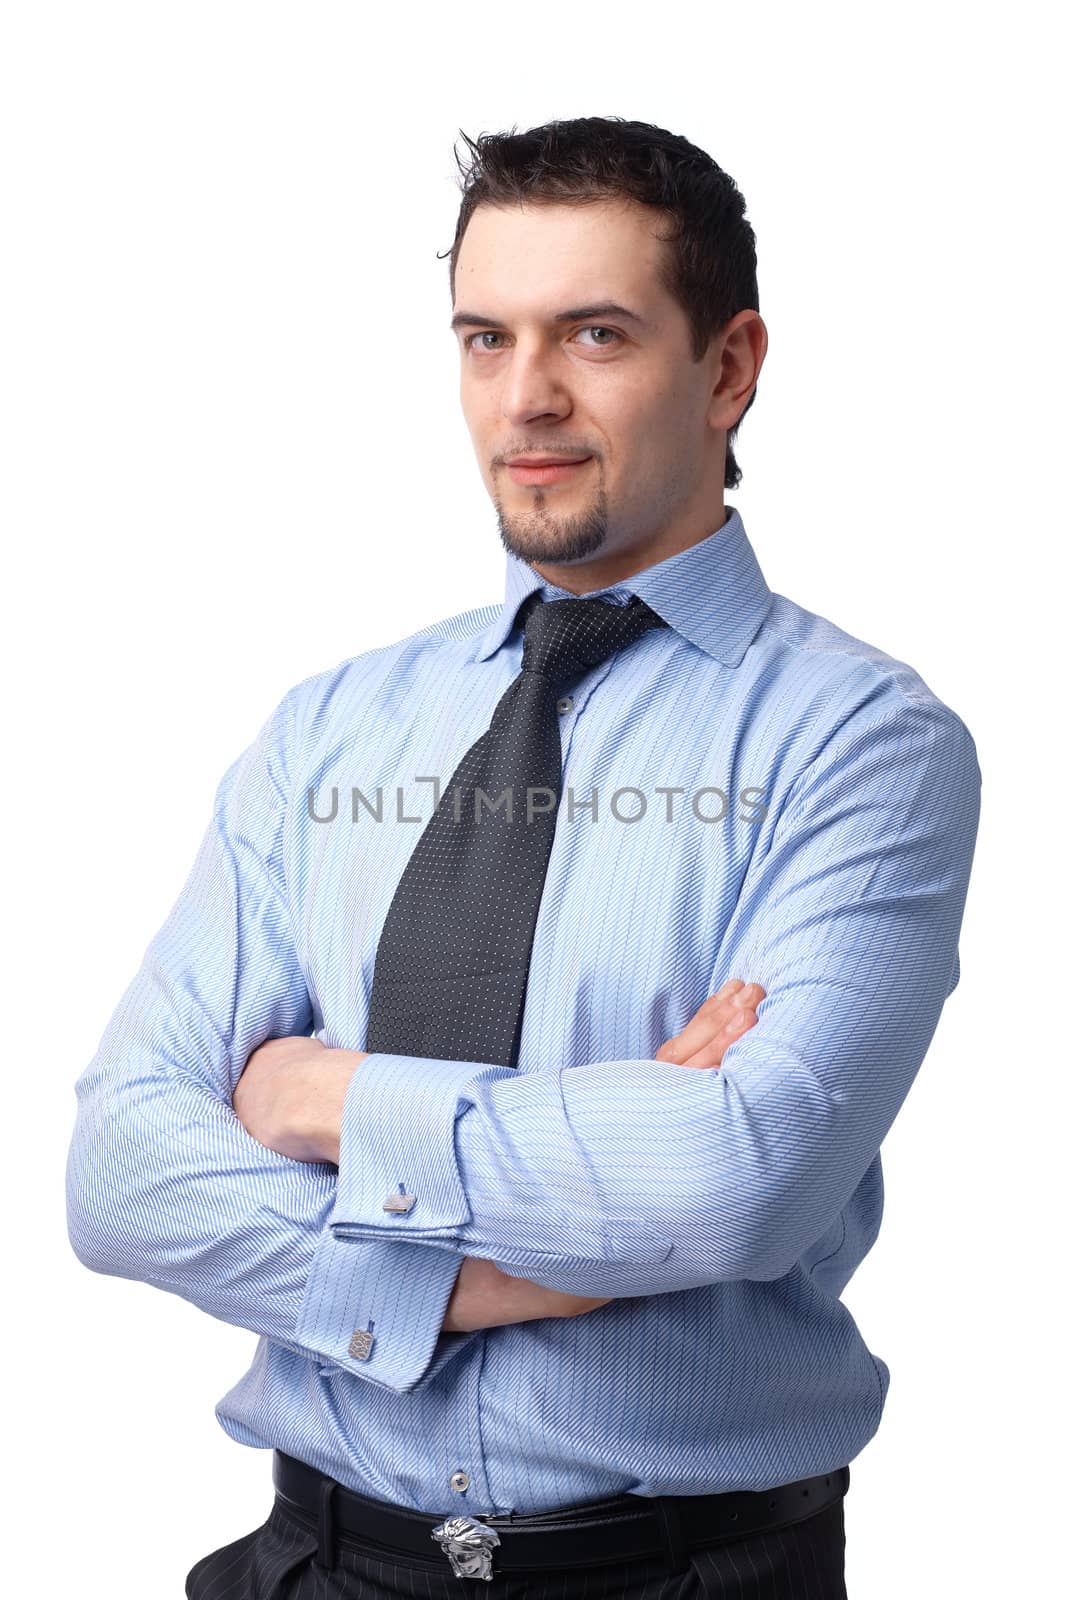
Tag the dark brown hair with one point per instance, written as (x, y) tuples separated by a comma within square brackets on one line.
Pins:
[(710, 262)]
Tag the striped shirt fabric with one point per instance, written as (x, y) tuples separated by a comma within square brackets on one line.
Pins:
[(747, 792)]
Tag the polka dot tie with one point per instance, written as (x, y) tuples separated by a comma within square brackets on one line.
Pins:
[(454, 953)]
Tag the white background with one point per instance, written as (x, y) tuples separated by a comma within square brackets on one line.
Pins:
[(234, 456)]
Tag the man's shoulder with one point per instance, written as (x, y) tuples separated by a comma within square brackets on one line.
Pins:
[(832, 663), (848, 712), (833, 697), (334, 693)]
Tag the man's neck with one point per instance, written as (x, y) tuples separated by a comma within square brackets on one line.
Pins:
[(602, 571)]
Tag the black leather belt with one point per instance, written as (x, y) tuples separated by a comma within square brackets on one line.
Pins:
[(629, 1527)]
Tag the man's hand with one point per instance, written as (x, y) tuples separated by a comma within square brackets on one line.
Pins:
[(719, 1023), (485, 1297), (291, 1094)]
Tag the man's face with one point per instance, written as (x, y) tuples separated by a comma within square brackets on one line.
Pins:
[(621, 391)]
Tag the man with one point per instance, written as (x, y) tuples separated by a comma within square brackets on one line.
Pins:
[(405, 1083)]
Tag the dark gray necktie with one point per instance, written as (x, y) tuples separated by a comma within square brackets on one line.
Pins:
[(454, 953)]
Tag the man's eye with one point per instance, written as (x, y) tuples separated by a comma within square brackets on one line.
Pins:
[(591, 328), (470, 338), (595, 328)]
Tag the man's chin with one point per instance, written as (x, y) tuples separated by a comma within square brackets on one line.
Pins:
[(557, 543)]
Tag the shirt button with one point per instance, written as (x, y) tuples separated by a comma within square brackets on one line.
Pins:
[(565, 704), (459, 1480)]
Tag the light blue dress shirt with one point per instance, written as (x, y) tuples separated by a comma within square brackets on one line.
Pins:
[(749, 792)]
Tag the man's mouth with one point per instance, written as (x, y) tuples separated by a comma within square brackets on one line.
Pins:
[(546, 472)]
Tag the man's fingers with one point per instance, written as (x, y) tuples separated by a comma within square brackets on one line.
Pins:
[(712, 1015), (712, 1054), (716, 1022)]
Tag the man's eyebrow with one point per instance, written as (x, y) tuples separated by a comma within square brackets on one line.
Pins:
[(600, 308)]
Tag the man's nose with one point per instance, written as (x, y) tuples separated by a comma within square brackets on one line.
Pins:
[(533, 388)]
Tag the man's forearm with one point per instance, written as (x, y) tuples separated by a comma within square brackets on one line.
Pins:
[(164, 1184), (485, 1297), (853, 915), (291, 1096)]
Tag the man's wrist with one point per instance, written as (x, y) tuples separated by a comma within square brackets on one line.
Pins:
[(330, 1075)]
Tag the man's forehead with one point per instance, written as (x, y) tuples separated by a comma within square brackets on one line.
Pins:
[(521, 261)]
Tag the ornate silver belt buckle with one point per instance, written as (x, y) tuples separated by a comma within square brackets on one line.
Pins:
[(469, 1546)]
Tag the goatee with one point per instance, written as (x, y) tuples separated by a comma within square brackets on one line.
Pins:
[(541, 535)]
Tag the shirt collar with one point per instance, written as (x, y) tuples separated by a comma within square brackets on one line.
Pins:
[(714, 593)]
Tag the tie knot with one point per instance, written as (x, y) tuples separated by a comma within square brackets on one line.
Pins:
[(564, 638)]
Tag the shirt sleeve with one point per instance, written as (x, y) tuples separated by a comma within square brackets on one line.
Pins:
[(163, 1182), (630, 1177)]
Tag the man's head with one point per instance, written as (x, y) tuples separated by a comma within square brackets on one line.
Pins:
[(562, 231)]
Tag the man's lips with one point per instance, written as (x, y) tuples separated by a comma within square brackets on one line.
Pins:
[(550, 472)]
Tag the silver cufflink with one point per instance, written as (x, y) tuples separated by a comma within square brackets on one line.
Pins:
[(359, 1346)]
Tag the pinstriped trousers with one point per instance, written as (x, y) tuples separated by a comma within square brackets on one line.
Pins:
[(280, 1561)]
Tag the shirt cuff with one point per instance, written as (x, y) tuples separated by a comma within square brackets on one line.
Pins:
[(374, 1309), (398, 1174)]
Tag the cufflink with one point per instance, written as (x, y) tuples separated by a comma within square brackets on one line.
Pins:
[(400, 1202), (360, 1343)]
